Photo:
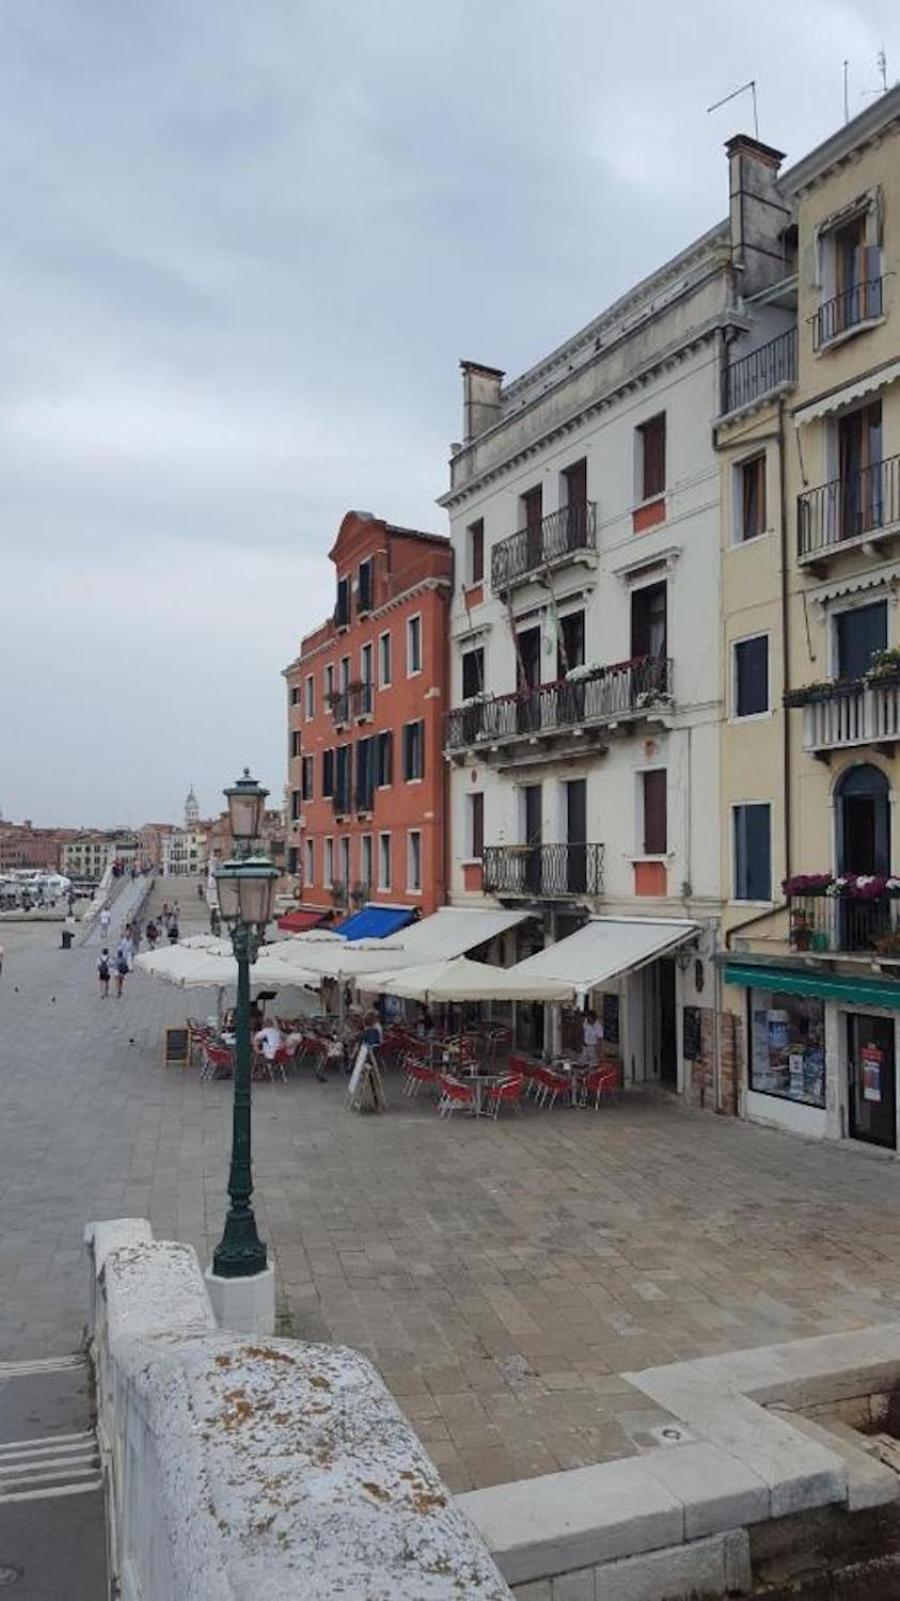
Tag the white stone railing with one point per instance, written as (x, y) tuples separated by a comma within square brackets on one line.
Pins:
[(860, 716), (238, 1467)]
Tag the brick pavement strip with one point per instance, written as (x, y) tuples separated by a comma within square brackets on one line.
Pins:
[(501, 1276)]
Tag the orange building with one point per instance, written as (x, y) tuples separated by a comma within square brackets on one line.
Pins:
[(366, 698)]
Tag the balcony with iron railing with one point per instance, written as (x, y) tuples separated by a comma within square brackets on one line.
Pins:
[(761, 372), (543, 872), (357, 700), (593, 698), (861, 303), (859, 507), (569, 532), (850, 711), (834, 916)]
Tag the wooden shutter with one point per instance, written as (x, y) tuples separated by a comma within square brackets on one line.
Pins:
[(654, 465), (655, 821), (477, 532), (477, 824)]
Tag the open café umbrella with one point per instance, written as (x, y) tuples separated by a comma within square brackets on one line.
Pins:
[(190, 968), (460, 979)]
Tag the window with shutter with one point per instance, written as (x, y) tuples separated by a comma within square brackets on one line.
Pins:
[(652, 453), (328, 774), (751, 676), (475, 534), (476, 825), (655, 833), (752, 853), (861, 634)]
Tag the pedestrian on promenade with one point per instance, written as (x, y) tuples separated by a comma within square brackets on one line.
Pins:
[(176, 912), (125, 949), (165, 914), (121, 971), (103, 972), (105, 920), (173, 932), (136, 936), (152, 934), (593, 1038)]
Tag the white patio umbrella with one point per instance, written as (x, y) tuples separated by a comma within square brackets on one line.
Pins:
[(203, 969), (343, 962), (463, 980)]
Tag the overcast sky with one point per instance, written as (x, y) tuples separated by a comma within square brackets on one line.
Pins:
[(245, 243)]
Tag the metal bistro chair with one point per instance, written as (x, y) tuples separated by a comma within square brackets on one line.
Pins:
[(454, 1094), (508, 1092)]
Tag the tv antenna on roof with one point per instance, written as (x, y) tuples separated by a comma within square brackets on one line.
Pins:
[(751, 85)]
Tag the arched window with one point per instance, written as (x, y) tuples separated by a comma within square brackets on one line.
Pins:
[(863, 821)]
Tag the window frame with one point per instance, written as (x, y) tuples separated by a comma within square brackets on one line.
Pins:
[(309, 862), (467, 655), (413, 888), (408, 747), (736, 807), (643, 853), (475, 542), (384, 855), (643, 495), (385, 680), (475, 800), (308, 768), (736, 715), (366, 848), (739, 537), (328, 862), (309, 708), (416, 618), (368, 564)]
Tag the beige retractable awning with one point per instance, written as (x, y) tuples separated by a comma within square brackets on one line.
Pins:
[(837, 399), (462, 980), (604, 948)]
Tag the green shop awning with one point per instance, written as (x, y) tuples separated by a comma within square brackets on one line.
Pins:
[(827, 986)]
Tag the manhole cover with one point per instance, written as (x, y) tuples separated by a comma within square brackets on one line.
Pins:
[(10, 1575)]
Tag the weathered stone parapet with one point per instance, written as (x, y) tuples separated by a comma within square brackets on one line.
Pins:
[(269, 1469)]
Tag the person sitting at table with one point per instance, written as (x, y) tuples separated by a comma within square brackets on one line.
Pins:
[(593, 1038), (268, 1040), (372, 1031)]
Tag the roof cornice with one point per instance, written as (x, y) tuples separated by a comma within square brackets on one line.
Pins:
[(878, 119)]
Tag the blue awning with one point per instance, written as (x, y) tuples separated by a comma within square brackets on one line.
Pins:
[(375, 922)]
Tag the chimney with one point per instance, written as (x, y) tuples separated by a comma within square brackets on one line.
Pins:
[(757, 213), (481, 398)]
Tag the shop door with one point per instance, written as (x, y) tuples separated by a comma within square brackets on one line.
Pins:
[(668, 1048), (871, 1080), (576, 836)]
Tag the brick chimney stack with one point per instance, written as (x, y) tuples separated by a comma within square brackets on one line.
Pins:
[(481, 398), (757, 213)]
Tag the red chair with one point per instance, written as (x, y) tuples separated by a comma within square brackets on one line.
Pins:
[(549, 1085), (454, 1094), (218, 1062), (281, 1061), (508, 1092), (522, 1067), (602, 1083), (417, 1074)]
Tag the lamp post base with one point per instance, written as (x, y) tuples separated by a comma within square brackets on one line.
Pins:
[(247, 1306)]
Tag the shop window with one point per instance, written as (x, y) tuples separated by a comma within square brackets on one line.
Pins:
[(751, 676), (752, 852), (787, 1046)]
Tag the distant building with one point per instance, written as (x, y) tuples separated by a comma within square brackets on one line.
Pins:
[(22, 845), (366, 699)]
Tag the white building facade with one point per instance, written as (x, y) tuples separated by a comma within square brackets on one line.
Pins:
[(586, 665)]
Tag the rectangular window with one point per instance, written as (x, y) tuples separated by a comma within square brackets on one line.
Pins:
[(472, 673), (296, 805), (787, 1046), (367, 689), (307, 778), (328, 774), (365, 774), (296, 742), (344, 676), (751, 496), (295, 696), (364, 586), (651, 452), (475, 552), (293, 861), (648, 621), (413, 645), (384, 661), (570, 644), (414, 751), (329, 863), (476, 825), (310, 696), (752, 853), (751, 676), (384, 744), (384, 861), (655, 809), (414, 861), (329, 683), (342, 609), (344, 861), (860, 634), (310, 861), (365, 862), (342, 780)]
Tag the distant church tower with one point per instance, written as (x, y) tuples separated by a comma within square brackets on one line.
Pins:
[(191, 810)]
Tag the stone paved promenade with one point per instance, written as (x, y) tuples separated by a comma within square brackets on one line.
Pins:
[(501, 1276)]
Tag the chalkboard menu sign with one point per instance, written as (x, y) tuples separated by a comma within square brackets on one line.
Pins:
[(691, 1034), (610, 1019), (178, 1047)]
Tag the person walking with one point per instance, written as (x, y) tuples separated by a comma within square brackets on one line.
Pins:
[(103, 972), (105, 920), (173, 931), (593, 1038), (152, 934), (125, 949), (121, 971)]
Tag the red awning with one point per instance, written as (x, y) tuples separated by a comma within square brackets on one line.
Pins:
[(298, 922)]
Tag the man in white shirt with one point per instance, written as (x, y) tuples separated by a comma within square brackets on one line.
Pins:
[(268, 1040), (593, 1038), (105, 920)]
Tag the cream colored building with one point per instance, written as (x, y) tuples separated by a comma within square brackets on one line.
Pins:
[(813, 970)]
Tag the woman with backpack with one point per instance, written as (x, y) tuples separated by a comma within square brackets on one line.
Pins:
[(122, 970), (103, 972)]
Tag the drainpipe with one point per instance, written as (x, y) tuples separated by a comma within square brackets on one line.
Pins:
[(785, 645)]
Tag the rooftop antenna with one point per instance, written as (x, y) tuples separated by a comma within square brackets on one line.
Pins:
[(881, 63), (846, 91), (751, 85)]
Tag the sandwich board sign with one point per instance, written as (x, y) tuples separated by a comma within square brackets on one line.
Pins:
[(365, 1088)]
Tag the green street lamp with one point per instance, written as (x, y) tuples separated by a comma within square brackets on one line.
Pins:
[(246, 892)]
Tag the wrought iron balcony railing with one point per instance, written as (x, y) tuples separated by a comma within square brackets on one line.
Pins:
[(857, 711), (761, 371), (865, 502), (357, 700), (603, 695), (833, 923), (570, 529), (543, 871), (860, 303)]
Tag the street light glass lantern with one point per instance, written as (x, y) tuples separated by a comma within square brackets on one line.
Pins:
[(246, 888), (246, 800)]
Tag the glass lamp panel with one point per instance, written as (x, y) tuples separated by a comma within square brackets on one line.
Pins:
[(257, 894), (229, 897)]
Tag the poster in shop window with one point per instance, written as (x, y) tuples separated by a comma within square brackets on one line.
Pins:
[(871, 1060)]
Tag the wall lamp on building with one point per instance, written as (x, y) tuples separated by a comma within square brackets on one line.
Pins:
[(246, 892)]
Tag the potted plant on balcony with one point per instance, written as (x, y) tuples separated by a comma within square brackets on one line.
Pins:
[(885, 668)]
